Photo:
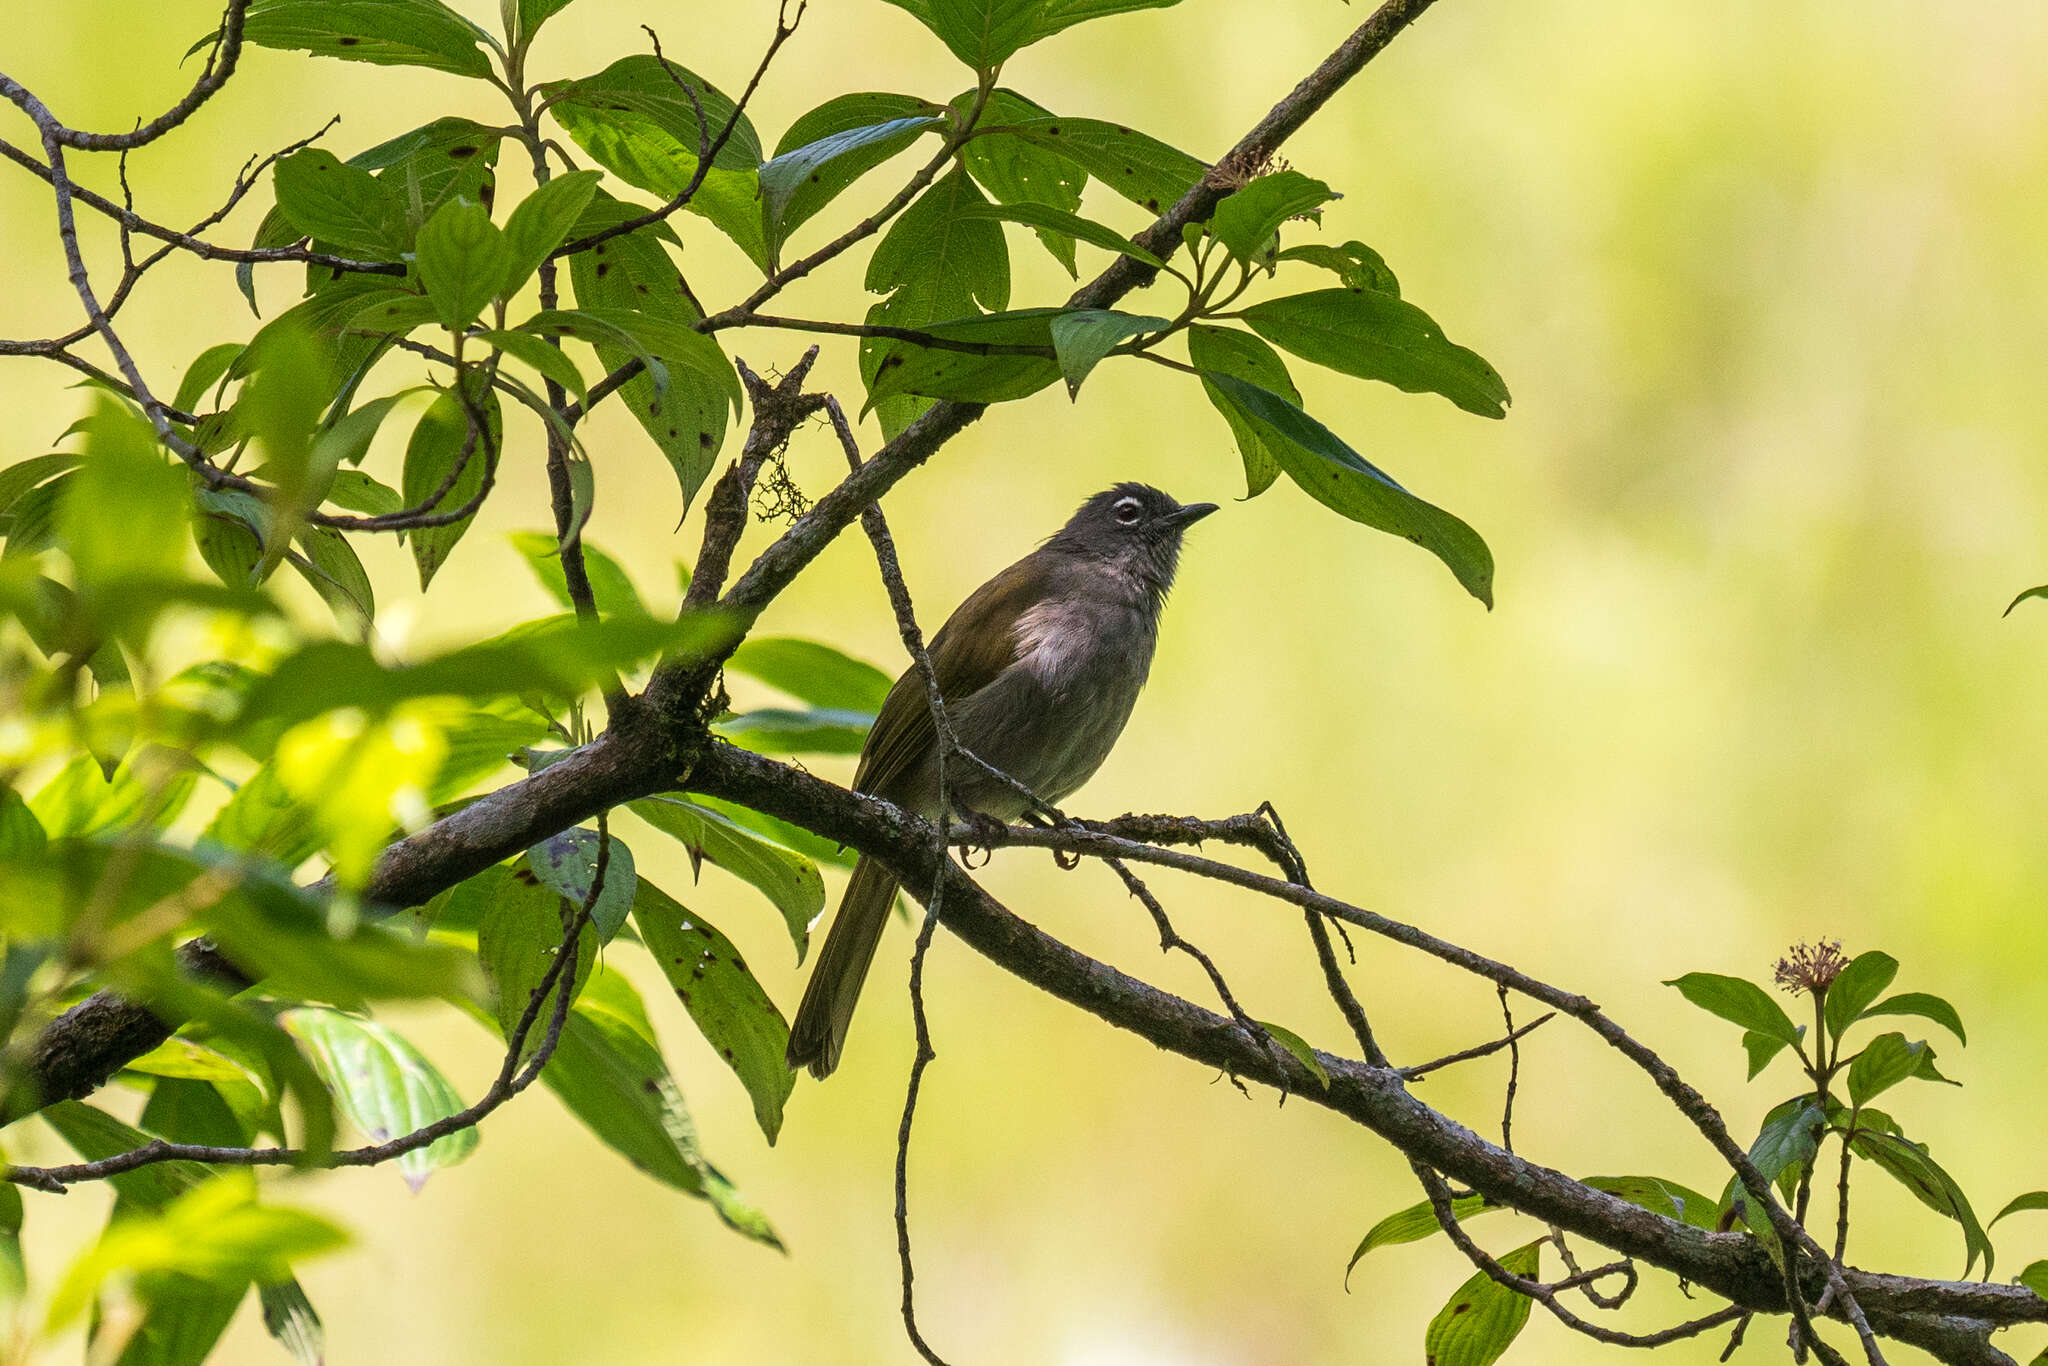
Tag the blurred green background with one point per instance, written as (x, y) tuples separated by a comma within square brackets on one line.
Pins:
[(1768, 281)]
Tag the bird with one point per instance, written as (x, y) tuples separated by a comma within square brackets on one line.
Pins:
[(1039, 669)]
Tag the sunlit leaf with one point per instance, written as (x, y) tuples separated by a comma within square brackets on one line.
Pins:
[(385, 1086), (1483, 1318)]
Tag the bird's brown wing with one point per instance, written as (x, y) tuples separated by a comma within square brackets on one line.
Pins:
[(977, 642)]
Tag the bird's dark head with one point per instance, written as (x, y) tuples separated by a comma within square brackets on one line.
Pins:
[(1134, 527)]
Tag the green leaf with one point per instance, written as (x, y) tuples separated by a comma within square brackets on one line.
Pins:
[(1660, 1196), (1910, 1164), (13, 1271), (290, 1318), (206, 368), (80, 799), (1884, 1062), (2020, 1204), (609, 583), (359, 492), (1019, 175), (387, 32), (794, 837), (123, 512), (2038, 591), (18, 478), (519, 932), (1484, 1317), (439, 443), (531, 14), (1228, 351), (1923, 1005), (1083, 336), (1142, 169), (566, 863), (262, 817), (674, 344), (635, 120), (731, 1010), (812, 672), (1738, 1002), (1299, 1047), (934, 264), (544, 358), (1412, 1225), (542, 221), (687, 419), (2035, 1278), (788, 879), (1856, 987), (215, 1232), (1338, 477), (22, 836), (181, 1321), (448, 159), (325, 198), (1355, 265), (464, 262), (331, 566), (1017, 362), (1048, 219), (383, 1084), (779, 730), (828, 149), (1247, 220), (1375, 335), (610, 1074), (985, 33), (555, 656), (1761, 1049), (97, 1135), (1787, 1140)]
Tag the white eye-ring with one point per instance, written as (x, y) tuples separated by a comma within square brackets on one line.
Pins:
[(1127, 510)]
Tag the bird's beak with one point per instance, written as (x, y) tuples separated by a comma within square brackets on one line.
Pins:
[(1192, 513)]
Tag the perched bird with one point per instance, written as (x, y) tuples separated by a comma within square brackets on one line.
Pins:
[(1039, 669)]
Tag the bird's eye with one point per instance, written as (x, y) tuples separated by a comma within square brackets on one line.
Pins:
[(1127, 511)]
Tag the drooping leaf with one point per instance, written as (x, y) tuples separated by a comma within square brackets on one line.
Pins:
[(1303, 1052), (1412, 1225), (1338, 477), (609, 583), (1083, 336), (1483, 1318), (1375, 335), (1020, 175), (812, 672), (1738, 1002), (443, 443), (788, 879), (687, 420), (1910, 1164), (520, 929), (731, 1010), (385, 1086), (986, 33), (1227, 351), (1761, 1048), (1924, 1005), (1069, 226), (2020, 1204), (610, 1074), (2035, 1278), (291, 1319), (330, 564)]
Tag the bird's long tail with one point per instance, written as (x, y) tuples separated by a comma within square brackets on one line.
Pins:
[(819, 1030)]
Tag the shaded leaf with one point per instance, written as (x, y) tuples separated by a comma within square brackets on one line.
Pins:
[(788, 879), (1858, 984), (1017, 360), (1081, 337), (1884, 1062), (440, 443), (1660, 1196), (1142, 169), (1249, 217), (812, 672), (464, 262), (566, 863), (1228, 351), (383, 1084), (828, 149), (1355, 264), (387, 32), (1738, 1002), (1924, 1005), (324, 198), (731, 1010), (2019, 1204)]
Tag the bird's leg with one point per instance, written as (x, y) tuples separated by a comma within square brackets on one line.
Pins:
[(984, 832), (1067, 859)]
